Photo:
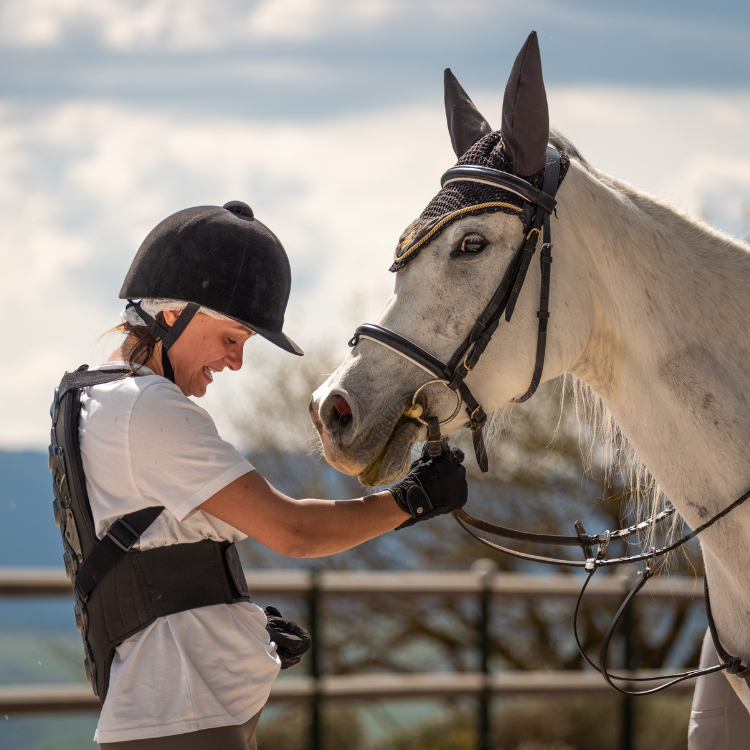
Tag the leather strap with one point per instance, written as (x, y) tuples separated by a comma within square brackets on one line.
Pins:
[(600, 562), (543, 314), (402, 346), (731, 664), (558, 540), (84, 378), (119, 539), (505, 180), (168, 336), (551, 176)]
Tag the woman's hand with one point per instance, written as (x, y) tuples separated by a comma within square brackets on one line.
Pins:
[(433, 486)]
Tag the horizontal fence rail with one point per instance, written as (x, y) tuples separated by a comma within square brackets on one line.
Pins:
[(318, 688), (360, 687), (52, 581)]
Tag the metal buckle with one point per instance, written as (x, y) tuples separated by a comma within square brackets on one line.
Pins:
[(649, 569), (603, 547), (471, 416), (465, 364), (125, 547)]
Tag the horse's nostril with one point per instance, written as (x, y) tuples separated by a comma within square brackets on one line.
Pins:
[(343, 411)]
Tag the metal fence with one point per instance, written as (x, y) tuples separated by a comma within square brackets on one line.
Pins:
[(316, 688)]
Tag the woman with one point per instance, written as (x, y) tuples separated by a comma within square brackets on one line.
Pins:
[(151, 511)]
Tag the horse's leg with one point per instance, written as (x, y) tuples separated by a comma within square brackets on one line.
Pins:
[(719, 720)]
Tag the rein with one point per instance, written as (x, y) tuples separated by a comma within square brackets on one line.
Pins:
[(539, 204)]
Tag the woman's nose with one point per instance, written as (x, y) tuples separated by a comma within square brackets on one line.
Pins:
[(234, 356)]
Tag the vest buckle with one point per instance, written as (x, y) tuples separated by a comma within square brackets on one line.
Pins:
[(123, 535)]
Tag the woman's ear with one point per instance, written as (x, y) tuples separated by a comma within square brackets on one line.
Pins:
[(170, 316)]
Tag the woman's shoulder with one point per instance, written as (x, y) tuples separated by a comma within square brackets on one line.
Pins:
[(143, 379)]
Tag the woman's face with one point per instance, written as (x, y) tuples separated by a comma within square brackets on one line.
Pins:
[(206, 346)]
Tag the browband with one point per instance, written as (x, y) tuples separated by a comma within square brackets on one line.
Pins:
[(505, 180)]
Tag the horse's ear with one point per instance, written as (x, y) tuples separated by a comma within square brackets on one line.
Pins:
[(465, 124), (525, 114)]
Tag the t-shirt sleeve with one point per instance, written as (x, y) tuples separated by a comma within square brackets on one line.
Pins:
[(177, 458)]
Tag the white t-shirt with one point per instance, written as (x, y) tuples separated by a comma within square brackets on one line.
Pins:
[(143, 443)]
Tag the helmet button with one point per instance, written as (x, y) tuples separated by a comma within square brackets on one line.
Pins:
[(239, 208)]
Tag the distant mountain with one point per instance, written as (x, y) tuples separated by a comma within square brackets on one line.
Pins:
[(28, 535)]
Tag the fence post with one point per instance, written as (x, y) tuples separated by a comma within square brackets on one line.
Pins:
[(314, 618), (486, 568)]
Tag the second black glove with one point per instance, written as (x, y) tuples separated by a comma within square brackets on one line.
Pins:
[(291, 640)]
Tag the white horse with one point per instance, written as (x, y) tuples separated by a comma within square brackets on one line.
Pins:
[(649, 307)]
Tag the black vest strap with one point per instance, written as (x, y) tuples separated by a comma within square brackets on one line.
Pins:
[(84, 378), (120, 538)]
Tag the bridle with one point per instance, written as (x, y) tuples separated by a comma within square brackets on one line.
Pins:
[(539, 204)]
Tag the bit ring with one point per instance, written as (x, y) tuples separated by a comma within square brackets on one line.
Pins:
[(445, 383)]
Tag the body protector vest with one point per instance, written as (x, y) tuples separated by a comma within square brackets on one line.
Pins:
[(119, 590)]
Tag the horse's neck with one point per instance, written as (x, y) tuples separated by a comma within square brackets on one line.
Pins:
[(669, 355), (668, 351)]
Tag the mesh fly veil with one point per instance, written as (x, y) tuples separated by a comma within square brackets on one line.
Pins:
[(463, 198)]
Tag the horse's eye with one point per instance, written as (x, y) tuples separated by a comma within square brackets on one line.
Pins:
[(473, 243)]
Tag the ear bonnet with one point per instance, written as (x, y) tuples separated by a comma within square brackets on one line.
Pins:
[(519, 148)]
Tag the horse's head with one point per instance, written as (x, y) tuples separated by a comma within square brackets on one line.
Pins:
[(449, 264)]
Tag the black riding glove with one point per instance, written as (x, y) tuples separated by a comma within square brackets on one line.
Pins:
[(291, 640), (432, 487)]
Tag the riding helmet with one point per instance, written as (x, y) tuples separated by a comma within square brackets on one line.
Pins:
[(221, 258)]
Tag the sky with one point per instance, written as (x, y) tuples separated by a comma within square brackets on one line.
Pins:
[(326, 116)]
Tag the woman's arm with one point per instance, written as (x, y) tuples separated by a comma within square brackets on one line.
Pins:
[(302, 528)]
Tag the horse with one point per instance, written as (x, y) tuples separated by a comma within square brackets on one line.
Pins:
[(649, 309)]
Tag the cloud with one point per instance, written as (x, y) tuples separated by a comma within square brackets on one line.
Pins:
[(82, 183), (197, 25), (180, 25)]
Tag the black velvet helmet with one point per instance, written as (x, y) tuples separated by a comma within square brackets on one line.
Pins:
[(221, 258)]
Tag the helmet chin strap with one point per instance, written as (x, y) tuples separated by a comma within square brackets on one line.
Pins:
[(167, 336)]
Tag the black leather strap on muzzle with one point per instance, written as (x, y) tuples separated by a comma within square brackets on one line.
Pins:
[(402, 346)]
